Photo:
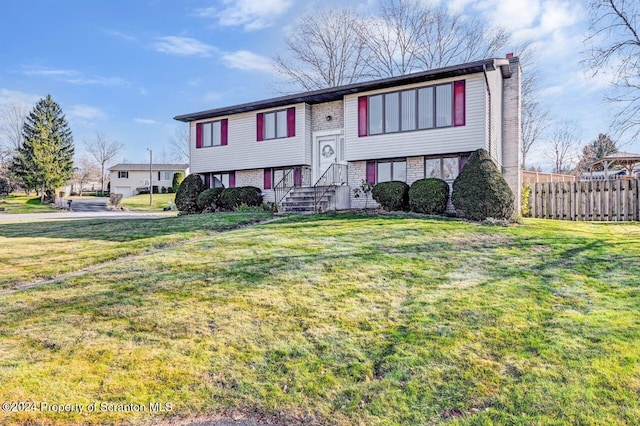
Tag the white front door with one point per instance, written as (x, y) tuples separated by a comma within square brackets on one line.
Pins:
[(327, 153)]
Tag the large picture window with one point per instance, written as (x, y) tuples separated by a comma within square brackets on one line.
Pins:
[(430, 107)]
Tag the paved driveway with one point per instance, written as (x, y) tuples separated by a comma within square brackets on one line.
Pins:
[(89, 204)]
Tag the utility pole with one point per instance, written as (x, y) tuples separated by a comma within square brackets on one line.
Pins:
[(150, 177)]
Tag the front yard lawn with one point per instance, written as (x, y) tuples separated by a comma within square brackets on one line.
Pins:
[(342, 319), (16, 203), (40, 250), (141, 202)]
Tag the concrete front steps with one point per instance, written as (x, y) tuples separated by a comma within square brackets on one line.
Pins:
[(301, 200)]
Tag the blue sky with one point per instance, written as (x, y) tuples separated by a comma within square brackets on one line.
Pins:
[(126, 68)]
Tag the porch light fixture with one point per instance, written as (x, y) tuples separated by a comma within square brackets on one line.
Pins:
[(329, 118)]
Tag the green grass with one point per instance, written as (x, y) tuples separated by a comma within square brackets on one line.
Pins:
[(141, 202), (40, 250), (345, 319), (16, 203)]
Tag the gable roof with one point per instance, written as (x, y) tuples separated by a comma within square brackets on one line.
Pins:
[(337, 93), (145, 167)]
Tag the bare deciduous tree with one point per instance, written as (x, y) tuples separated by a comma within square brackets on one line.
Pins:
[(102, 150), (615, 47), (84, 171), (563, 147), (12, 119), (324, 51), (179, 145)]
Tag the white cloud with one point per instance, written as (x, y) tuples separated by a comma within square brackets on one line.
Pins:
[(13, 97), (251, 14), (145, 121), (84, 112), (247, 61), (120, 35), (75, 77), (183, 46)]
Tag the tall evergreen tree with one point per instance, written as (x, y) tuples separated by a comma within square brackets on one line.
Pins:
[(45, 159)]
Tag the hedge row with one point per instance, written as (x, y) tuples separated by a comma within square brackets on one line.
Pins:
[(479, 192), (192, 197)]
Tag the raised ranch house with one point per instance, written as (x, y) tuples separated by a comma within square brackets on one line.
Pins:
[(130, 179), (311, 151)]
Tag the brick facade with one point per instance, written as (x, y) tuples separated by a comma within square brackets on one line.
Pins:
[(356, 175), (253, 177), (511, 137), (320, 112), (415, 169)]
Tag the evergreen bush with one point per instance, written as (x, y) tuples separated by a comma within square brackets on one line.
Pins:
[(391, 196), (187, 194), (232, 198), (209, 199), (429, 196), (480, 190)]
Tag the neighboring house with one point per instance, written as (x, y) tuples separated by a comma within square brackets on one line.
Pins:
[(403, 128), (129, 179)]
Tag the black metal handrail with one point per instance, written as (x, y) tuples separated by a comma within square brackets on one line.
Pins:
[(335, 174), (288, 182), (284, 186)]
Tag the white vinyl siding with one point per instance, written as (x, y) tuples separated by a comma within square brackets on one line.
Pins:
[(244, 151), (434, 141)]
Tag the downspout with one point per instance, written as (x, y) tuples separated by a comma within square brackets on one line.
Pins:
[(486, 80)]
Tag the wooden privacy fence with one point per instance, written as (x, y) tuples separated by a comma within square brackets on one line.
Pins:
[(614, 200)]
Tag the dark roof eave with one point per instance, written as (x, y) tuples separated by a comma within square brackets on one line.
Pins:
[(337, 93)]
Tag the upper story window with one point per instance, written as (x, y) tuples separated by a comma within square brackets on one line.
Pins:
[(276, 124), (422, 108), (212, 133), (123, 175)]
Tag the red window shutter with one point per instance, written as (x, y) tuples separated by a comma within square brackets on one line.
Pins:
[(371, 172), (232, 179), (291, 122), (458, 103), (267, 178), (260, 127), (363, 116), (199, 135), (224, 131)]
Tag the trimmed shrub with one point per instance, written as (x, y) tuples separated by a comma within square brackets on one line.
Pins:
[(209, 199), (187, 194), (178, 177), (232, 198), (392, 195), (163, 190), (480, 190), (429, 196)]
